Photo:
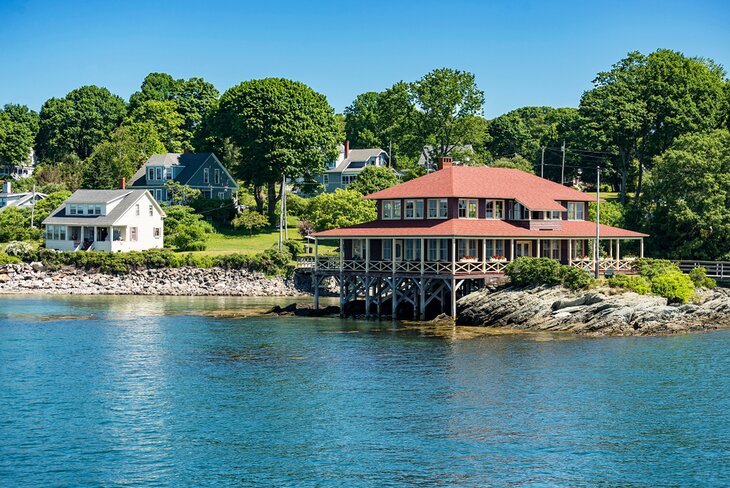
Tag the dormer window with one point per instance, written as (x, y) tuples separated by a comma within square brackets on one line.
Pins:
[(168, 173), (576, 211), (414, 209), (150, 173), (520, 212), (438, 208), (391, 209), (494, 209), (467, 209)]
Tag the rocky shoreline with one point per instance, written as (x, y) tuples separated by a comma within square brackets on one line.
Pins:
[(35, 278), (600, 312)]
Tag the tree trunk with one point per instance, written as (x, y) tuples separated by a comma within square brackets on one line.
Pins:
[(258, 196), (638, 184), (272, 199), (624, 175)]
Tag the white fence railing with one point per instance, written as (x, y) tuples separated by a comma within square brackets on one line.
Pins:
[(333, 263), (604, 264), (719, 270)]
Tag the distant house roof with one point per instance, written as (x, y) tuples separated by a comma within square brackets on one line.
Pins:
[(474, 228), (355, 160), (190, 161), (482, 182), (23, 199), (129, 198)]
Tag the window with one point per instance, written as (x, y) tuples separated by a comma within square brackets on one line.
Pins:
[(438, 249), (168, 173), (150, 173), (325, 179), (579, 249), (387, 250), (217, 177), (206, 175), (152, 212), (552, 215), (467, 209), (136, 210), (391, 209), (133, 234), (158, 194), (520, 212), (221, 195), (97, 209), (576, 211), (72, 209), (158, 173), (156, 232), (117, 233), (550, 248), (438, 208), (413, 209), (412, 249), (56, 232), (358, 248), (347, 179), (466, 248), (494, 209)]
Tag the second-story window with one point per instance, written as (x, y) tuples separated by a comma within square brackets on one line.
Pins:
[(206, 175), (438, 208), (494, 209), (576, 211), (520, 212), (467, 209), (413, 209), (158, 173), (217, 177), (150, 173), (391, 209)]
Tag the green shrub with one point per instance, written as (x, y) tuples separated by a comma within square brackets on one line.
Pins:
[(19, 249), (294, 246), (273, 262), (6, 259), (698, 276), (296, 205), (251, 221), (637, 283), (673, 285), (651, 267), (233, 261), (576, 278), (534, 271)]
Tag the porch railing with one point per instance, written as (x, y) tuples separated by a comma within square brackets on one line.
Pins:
[(719, 270), (604, 264), (332, 263)]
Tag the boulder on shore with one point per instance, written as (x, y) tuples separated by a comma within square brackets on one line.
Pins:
[(602, 312)]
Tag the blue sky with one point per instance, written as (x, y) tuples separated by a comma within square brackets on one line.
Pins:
[(522, 52)]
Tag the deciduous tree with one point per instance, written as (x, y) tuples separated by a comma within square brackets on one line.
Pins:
[(374, 178), (340, 209)]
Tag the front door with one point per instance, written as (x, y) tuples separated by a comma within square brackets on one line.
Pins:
[(398, 251), (523, 248)]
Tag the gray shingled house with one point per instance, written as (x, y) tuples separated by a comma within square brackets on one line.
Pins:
[(348, 165), (201, 171)]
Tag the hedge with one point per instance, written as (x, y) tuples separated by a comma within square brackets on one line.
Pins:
[(546, 271)]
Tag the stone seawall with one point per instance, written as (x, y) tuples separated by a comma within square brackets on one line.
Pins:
[(35, 278)]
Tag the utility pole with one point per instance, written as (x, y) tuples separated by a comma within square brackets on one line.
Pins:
[(598, 219), (390, 154), (562, 170), (542, 163), (282, 212)]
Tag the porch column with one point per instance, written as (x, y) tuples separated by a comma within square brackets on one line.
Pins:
[(618, 250), (641, 248), (538, 248), (392, 260), (367, 255), (423, 255), (342, 254), (570, 252), (81, 237), (511, 249), (453, 255), (484, 255), (316, 254)]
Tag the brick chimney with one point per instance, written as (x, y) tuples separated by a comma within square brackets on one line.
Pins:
[(122, 183), (445, 162), (347, 148)]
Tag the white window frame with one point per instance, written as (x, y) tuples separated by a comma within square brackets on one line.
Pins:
[(325, 179), (72, 209), (412, 250), (436, 210), (151, 173), (524, 212), (206, 175), (156, 232), (550, 248), (347, 179), (152, 211), (358, 248), (413, 209), (387, 250), (497, 211), (136, 210), (391, 210), (576, 211), (133, 234), (216, 176), (470, 208)]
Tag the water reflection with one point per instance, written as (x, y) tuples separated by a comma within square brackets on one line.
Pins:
[(151, 391)]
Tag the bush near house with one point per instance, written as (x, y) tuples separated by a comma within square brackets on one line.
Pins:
[(636, 283), (250, 221), (700, 279), (270, 262), (666, 279), (185, 230), (546, 271)]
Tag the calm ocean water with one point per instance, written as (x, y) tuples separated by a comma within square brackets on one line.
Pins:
[(151, 391)]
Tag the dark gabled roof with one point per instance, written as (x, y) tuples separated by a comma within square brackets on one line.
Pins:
[(356, 156), (191, 161), (129, 198)]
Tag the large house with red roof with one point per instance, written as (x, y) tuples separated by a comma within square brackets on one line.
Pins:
[(465, 223)]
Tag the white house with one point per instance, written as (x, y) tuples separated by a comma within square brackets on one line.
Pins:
[(21, 200), (106, 220)]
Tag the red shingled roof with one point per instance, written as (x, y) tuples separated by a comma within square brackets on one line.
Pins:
[(481, 182), (474, 228)]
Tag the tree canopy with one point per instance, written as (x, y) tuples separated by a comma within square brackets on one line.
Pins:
[(78, 122), (281, 127), (18, 129), (374, 178), (340, 209)]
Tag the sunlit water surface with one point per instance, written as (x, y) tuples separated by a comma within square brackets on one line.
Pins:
[(152, 391)]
